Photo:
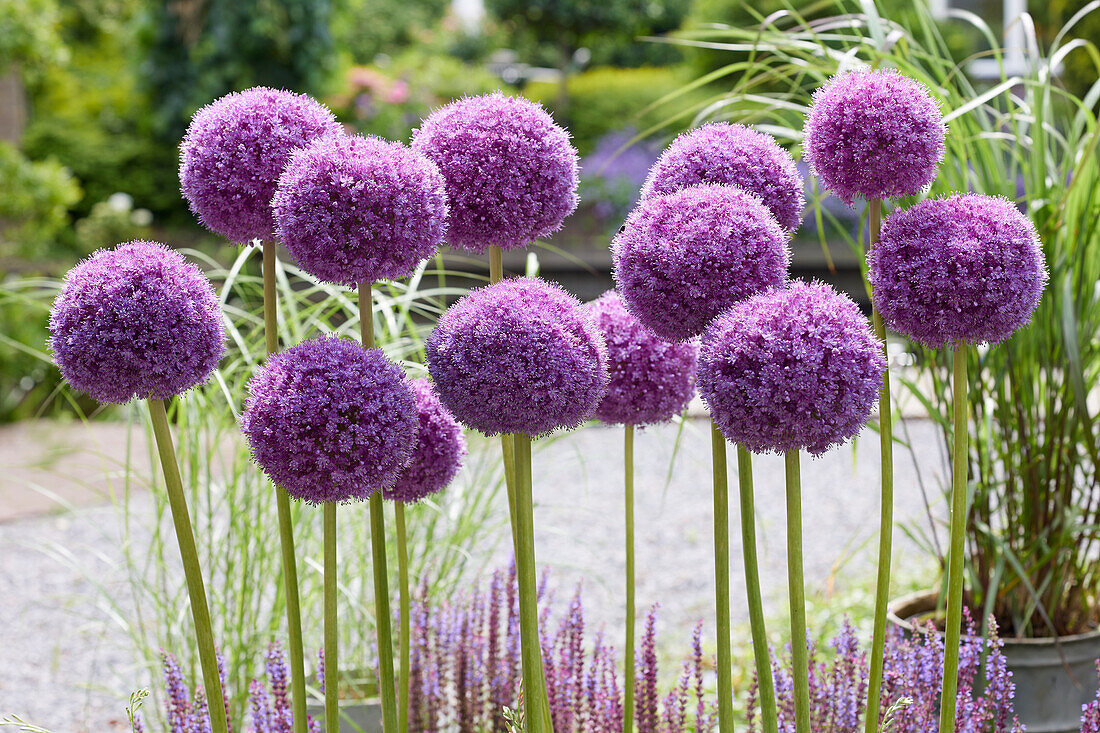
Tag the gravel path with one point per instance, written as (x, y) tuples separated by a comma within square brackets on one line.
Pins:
[(66, 665)]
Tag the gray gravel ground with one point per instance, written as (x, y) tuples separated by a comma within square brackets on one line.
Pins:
[(66, 664)]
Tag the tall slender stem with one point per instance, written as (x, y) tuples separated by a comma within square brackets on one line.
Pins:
[(332, 669), (404, 631), (796, 592), (192, 571), (496, 274), (722, 578), (496, 264), (382, 619), (628, 663), (534, 687), (958, 542), (765, 685), (286, 522), (886, 510)]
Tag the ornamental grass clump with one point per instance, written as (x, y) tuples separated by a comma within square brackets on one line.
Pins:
[(989, 254), (736, 155), (138, 321), (785, 371), (876, 134), (523, 357), (684, 257), (651, 381)]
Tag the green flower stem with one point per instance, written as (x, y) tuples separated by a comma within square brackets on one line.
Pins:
[(387, 687), (537, 708), (286, 523), (886, 511), (722, 578), (332, 670), (958, 542), (628, 663), (796, 592), (765, 685), (403, 633), (496, 274), (192, 571)]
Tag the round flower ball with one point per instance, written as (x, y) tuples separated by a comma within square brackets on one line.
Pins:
[(736, 155), (136, 321), (874, 134), (967, 268), (330, 421), (520, 356), (440, 448), (651, 380), (354, 209), (683, 258), (234, 151), (793, 369), (511, 172)]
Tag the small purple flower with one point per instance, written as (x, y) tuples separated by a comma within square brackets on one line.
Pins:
[(136, 321), (651, 379), (236, 148), (520, 356), (440, 448), (683, 258), (737, 156), (511, 172), (874, 134), (791, 369), (328, 420), (358, 209), (965, 268)]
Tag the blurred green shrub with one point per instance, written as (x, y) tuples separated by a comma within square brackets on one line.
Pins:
[(391, 99), (548, 32), (35, 197), (112, 221), (365, 28), (607, 99), (199, 51), (29, 34)]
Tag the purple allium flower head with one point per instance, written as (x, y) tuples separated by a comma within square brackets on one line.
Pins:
[(358, 209), (440, 448), (328, 420), (520, 356), (511, 172), (236, 148), (683, 258), (737, 156), (874, 134), (136, 321), (965, 268), (791, 369), (651, 379)]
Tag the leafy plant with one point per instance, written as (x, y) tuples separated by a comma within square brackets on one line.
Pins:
[(1033, 470), (35, 197)]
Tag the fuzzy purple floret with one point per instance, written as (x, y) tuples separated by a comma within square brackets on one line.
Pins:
[(511, 172), (683, 258), (440, 448), (874, 134), (651, 380), (791, 369), (737, 156), (236, 148), (520, 356), (328, 420), (965, 268), (359, 209), (136, 321)]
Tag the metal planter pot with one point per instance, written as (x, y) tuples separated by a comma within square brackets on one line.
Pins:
[(1054, 677)]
